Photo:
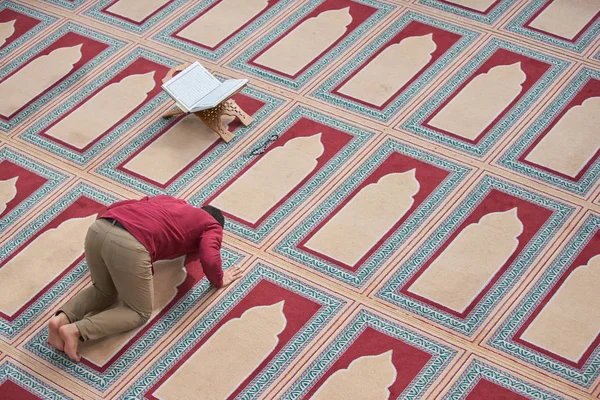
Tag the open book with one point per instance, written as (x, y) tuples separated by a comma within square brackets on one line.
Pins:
[(196, 89)]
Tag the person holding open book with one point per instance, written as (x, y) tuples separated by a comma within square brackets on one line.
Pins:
[(120, 247)]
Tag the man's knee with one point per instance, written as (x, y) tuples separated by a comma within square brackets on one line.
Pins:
[(144, 316)]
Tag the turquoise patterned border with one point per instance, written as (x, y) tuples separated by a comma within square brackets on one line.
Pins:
[(45, 19), (102, 381), (54, 177), (330, 306), (241, 62), (477, 370), (31, 135), (516, 26), (96, 12), (510, 159), (113, 46), (467, 326), (109, 168), (294, 201), (69, 4), (502, 339), (18, 376), (413, 124), (49, 297), (486, 19), (165, 37), (441, 355), (324, 92), (288, 246)]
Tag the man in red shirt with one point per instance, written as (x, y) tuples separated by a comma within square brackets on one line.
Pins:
[(120, 247)]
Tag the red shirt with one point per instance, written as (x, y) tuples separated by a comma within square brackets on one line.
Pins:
[(169, 228)]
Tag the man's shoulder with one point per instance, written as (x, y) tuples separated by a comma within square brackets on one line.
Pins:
[(164, 197)]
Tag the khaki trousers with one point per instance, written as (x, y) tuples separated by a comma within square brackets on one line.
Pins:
[(120, 267)]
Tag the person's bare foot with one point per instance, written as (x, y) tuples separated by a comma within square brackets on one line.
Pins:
[(70, 334), (54, 325)]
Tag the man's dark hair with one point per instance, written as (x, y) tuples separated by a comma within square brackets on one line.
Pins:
[(216, 214)]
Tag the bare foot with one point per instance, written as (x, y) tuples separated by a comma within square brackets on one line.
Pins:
[(70, 334), (54, 325)]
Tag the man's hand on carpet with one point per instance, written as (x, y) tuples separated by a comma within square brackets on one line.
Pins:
[(231, 274)]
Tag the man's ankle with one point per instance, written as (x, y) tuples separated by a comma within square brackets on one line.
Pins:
[(60, 313)]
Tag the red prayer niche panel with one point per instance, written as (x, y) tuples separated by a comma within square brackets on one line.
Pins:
[(392, 354), (509, 221), (45, 257), (208, 29), (432, 43), (484, 8), (417, 181), (486, 96), (11, 391), (49, 68), (127, 92), (135, 13), (543, 19), (14, 25), (576, 123), (485, 390), (187, 137), (268, 313), (333, 19), (16, 184), (173, 280), (565, 326), (303, 149)]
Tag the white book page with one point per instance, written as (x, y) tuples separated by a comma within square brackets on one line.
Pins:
[(191, 85), (223, 91)]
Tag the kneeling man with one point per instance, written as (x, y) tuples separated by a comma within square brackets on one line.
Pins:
[(120, 247)]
